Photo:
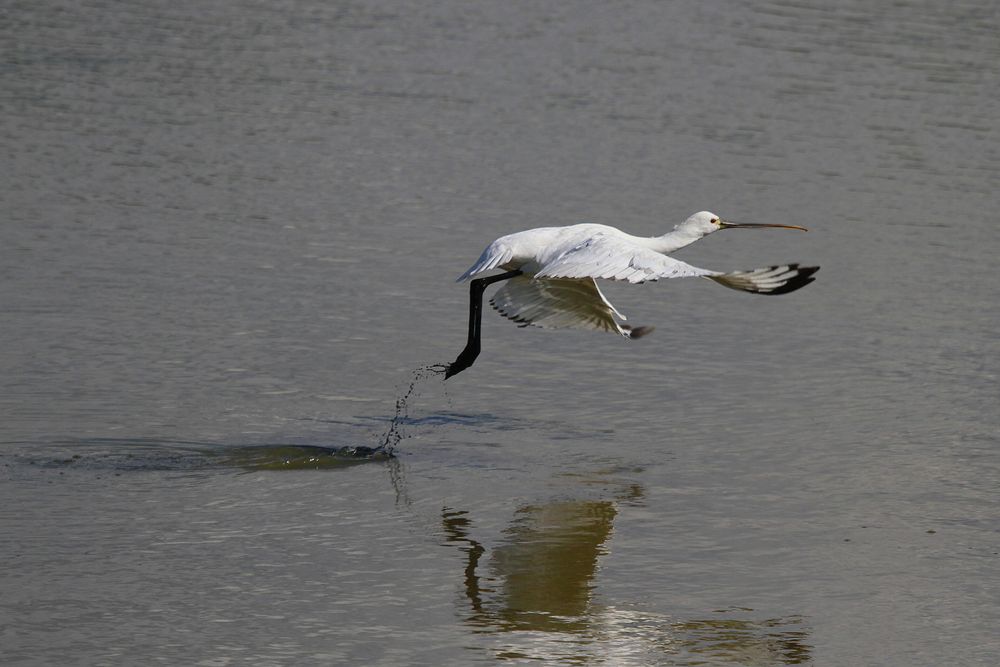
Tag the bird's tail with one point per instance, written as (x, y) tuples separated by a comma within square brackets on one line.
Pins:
[(768, 280)]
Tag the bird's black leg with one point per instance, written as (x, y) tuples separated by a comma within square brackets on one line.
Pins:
[(471, 351)]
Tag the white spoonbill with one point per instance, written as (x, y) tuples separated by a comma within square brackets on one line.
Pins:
[(551, 271)]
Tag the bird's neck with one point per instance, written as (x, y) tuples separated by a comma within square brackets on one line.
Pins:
[(674, 240)]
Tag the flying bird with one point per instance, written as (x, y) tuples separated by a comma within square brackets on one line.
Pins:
[(551, 275)]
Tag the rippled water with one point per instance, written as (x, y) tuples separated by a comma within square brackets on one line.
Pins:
[(230, 238)]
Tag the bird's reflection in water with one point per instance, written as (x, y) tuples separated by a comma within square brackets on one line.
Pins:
[(542, 572), (534, 593)]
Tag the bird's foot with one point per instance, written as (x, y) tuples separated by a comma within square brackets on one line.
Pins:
[(463, 361), (454, 369)]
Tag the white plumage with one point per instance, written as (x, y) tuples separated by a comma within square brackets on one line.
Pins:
[(557, 303), (559, 265)]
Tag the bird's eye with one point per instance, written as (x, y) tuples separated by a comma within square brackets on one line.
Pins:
[(715, 221)]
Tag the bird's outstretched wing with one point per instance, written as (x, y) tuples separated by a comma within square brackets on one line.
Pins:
[(613, 258), (768, 280), (554, 303)]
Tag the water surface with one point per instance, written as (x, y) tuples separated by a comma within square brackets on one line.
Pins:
[(230, 237)]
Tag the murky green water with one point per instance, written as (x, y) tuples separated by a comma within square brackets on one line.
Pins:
[(230, 237)]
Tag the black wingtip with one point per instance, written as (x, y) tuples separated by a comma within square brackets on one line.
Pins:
[(800, 280)]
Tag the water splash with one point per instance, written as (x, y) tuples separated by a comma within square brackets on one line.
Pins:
[(394, 434)]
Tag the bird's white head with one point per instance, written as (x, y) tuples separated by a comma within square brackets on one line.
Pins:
[(704, 223), (701, 223)]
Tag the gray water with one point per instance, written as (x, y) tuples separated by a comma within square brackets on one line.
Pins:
[(229, 236)]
